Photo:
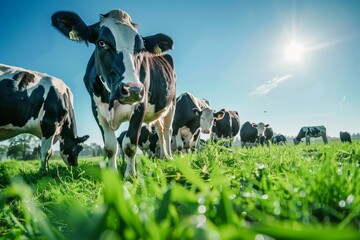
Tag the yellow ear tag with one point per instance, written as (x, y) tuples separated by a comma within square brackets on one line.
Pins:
[(157, 50), (73, 35)]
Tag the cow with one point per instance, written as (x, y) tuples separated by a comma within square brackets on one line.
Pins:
[(309, 132), (279, 139), (345, 137), (41, 105), (227, 127), (148, 142), (248, 134), (128, 79), (264, 133), (193, 116)]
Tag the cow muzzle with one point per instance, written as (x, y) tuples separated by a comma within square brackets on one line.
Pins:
[(130, 93), (205, 131)]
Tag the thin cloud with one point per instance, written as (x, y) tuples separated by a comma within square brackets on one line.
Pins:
[(270, 85)]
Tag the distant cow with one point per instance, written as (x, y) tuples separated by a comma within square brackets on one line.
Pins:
[(309, 132), (42, 105), (264, 133), (227, 127), (193, 116), (345, 137), (148, 142), (248, 134), (279, 139), (127, 79)]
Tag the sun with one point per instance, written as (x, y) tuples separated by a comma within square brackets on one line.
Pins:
[(294, 52)]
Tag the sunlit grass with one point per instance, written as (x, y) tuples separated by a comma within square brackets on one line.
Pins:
[(291, 192)]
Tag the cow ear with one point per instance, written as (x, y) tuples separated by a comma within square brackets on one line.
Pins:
[(197, 111), (158, 43), (73, 27), (219, 115), (82, 139), (266, 125), (254, 125)]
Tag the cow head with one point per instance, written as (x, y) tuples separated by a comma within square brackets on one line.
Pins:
[(207, 118), (260, 127), (118, 51), (70, 149), (296, 142)]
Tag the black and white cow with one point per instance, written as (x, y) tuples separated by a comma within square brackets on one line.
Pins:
[(264, 133), (345, 137), (279, 139), (127, 79), (248, 135), (41, 105), (193, 116), (148, 142), (227, 127), (309, 132)]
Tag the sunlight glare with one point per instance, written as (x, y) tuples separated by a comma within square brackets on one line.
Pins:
[(294, 52)]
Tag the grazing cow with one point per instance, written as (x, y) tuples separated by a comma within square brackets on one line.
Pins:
[(148, 142), (264, 133), (127, 79), (248, 134), (227, 127), (345, 137), (192, 117), (42, 105), (279, 139), (309, 132)]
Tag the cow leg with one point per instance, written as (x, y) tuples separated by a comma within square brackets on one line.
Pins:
[(307, 140), (110, 146), (110, 143), (46, 151), (167, 123), (159, 126), (109, 137), (324, 138), (179, 144), (131, 139)]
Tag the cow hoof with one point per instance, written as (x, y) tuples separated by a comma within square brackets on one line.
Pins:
[(43, 170), (130, 176)]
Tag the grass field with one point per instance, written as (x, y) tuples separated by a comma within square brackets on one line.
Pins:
[(281, 192)]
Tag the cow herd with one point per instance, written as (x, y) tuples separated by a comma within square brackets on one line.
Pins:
[(129, 78)]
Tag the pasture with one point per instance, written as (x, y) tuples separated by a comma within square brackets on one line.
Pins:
[(281, 192)]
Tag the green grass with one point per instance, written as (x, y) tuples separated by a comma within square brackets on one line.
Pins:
[(291, 192)]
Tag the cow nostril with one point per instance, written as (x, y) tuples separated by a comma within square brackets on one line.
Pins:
[(141, 93), (124, 90)]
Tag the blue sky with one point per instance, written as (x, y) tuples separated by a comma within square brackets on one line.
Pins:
[(229, 52)]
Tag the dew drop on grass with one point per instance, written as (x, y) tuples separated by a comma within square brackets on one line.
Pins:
[(277, 211), (302, 193), (350, 199), (201, 200), (201, 220), (202, 209), (342, 203), (265, 196), (259, 237), (246, 194)]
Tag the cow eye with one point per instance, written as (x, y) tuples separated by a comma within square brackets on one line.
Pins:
[(102, 44)]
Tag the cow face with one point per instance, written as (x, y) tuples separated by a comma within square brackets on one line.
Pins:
[(207, 118), (70, 149), (260, 127), (296, 142), (118, 58)]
